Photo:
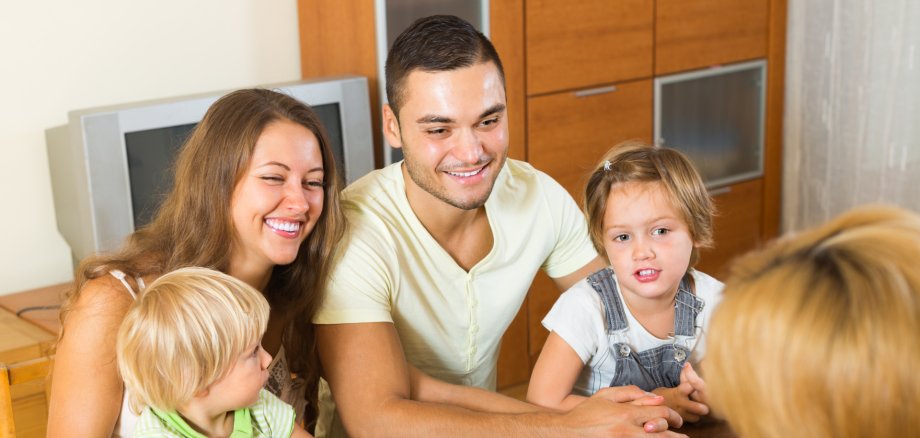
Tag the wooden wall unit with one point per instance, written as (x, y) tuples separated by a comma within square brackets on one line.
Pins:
[(552, 50), (567, 132), (702, 33), (573, 45)]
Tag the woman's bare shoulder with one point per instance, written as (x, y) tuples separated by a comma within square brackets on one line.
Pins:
[(102, 295)]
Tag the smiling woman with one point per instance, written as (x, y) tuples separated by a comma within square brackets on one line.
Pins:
[(256, 195)]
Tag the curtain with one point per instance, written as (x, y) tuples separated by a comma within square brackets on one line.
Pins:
[(852, 125)]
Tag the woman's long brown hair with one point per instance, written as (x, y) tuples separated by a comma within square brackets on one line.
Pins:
[(193, 226)]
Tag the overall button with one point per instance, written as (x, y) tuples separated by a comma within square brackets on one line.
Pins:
[(624, 350), (680, 355)]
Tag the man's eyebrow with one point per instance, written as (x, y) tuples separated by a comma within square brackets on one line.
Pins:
[(497, 108), (432, 118)]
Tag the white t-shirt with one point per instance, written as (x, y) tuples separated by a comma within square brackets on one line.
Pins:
[(450, 321), (578, 318)]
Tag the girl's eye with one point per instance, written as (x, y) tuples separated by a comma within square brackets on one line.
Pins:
[(660, 231), (621, 238)]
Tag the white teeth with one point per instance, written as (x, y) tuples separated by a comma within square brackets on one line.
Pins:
[(281, 225), (466, 174), (645, 272)]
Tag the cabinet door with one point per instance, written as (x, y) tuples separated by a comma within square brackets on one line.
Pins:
[(737, 227), (701, 33), (567, 133), (586, 43)]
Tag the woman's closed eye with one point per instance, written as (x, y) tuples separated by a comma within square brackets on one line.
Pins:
[(314, 183), (274, 179)]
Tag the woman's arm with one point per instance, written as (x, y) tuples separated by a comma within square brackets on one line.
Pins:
[(86, 389), (554, 375)]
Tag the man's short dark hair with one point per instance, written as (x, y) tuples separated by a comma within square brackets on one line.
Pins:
[(433, 44)]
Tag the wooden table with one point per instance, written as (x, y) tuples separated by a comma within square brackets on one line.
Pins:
[(20, 340), (48, 296), (708, 428), (28, 337)]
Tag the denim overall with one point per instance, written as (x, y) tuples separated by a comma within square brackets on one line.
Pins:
[(659, 366)]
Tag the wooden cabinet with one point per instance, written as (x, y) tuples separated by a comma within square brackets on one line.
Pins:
[(573, 44), (701, 33), (568, 132), (736, 228)]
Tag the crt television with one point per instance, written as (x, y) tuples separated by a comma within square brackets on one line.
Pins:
[(111, 166)]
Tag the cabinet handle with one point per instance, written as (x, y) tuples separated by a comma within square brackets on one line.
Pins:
[(595, 91), (720, 191)]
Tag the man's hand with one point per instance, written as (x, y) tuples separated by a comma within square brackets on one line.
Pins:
[(624, 411), (678, 398)]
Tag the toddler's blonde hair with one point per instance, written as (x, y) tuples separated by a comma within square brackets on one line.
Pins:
[(184, 333)]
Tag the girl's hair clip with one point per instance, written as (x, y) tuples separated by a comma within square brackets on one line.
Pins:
[(607, 165)]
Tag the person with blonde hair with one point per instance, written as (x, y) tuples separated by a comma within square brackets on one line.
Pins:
[(256, 196), (816, 336), (641, 320), (190, 353)]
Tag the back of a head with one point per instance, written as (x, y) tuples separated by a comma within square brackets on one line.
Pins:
[(434, 44), (184, 333), (815, 334)]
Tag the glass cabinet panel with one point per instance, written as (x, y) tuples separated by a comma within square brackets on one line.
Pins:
[(716, 117)]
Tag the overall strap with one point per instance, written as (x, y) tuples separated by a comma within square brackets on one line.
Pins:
[(605, 285), (687, 307)]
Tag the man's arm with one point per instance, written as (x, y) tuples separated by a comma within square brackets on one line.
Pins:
[(567, 281), (370, 380)]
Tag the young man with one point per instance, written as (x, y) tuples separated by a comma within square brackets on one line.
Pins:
[(442, 250)]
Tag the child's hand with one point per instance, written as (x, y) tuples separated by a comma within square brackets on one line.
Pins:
[(689, 375), (678, 398)]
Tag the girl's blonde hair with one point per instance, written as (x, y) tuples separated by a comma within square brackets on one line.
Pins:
[(184, 333), (640, 162), (816, 335)]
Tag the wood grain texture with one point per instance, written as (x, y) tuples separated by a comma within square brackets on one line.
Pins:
[(773, 141), (507, 35), (702, 33), (567, 134), (573, 45), (338, 38), (737, 228)]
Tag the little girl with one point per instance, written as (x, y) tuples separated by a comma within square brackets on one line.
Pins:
[(190, 353), (640, 321)]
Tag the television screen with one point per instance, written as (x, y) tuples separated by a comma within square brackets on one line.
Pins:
[(112, 166), (151, 154)]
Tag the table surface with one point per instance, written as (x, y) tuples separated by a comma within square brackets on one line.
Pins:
[(21, 339), (44, 296), (708, 428)]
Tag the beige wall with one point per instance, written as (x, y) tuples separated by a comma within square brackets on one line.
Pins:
[(57, 56)]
